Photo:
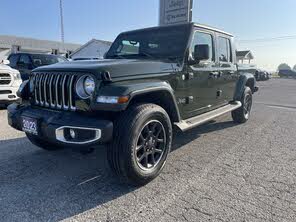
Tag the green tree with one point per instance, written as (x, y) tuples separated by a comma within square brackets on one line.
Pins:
[(284, 66), (294, 68)]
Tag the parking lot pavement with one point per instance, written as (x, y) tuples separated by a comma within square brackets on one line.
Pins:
[(218, 172)]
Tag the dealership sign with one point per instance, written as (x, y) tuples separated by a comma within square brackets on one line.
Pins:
[(175, 11)]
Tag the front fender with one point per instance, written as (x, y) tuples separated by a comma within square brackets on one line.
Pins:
[(134, 90), (245, 79)]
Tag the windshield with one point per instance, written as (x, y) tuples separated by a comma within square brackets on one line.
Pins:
[(44, 60), (162, 43)]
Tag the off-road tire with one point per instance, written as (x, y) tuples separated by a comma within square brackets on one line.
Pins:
[(43, 144), (121, 152), (242, 114)]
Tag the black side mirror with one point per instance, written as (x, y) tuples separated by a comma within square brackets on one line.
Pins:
[(201, 52)]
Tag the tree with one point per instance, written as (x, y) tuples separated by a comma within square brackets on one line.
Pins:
[(284, 66), (294, 68)]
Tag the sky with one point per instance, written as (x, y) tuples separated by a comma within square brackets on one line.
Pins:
[(104, 19)]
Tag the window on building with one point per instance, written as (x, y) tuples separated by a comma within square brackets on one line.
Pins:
[(224, 51), (201, 38)]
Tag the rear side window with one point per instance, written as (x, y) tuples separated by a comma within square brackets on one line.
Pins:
[(13, 60), (201, 38), (224, 50)]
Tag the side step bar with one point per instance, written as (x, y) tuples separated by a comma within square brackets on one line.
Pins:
[(206, 117)]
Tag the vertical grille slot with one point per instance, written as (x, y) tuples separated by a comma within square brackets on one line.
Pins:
[(54, 90)]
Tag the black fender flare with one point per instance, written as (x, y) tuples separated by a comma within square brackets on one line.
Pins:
[(245, 79), (138, 91), (167, 89)]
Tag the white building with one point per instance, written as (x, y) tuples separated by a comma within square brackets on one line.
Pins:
[(94, 49), (13, 44), (242, 56)]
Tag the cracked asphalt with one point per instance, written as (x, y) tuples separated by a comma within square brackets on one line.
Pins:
[(216, 172)]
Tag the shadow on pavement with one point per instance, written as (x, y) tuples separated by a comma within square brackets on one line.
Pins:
[(42, 186)]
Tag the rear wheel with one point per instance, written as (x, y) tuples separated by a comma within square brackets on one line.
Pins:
[(242, 114), (142, 140), (43, 144)]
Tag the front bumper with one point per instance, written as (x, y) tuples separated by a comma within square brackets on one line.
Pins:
[(54, 126), (8, 94)]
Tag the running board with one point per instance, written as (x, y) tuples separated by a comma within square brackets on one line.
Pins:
[(206, 117)]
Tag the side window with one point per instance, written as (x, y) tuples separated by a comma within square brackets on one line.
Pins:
[(13, 60), (224, 50), (25, 59), (201, 38)]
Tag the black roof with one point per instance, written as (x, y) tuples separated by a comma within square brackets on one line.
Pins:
[(178, 25)]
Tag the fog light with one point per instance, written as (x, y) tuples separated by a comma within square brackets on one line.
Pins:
[(72, 133)]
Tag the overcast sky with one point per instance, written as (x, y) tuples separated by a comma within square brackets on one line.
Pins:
[(104, 19)]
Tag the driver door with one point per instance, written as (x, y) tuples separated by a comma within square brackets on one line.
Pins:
[(202, 75)]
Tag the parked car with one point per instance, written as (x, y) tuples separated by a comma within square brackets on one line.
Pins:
[(288, 73), (261, 75), (10, 81), (26, 62), (150, 81)]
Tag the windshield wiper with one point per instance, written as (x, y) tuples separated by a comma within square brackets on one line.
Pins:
[(146, 54), (175, 59), (115, 56)]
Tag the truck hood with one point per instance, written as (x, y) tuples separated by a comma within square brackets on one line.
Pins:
[(116, 67), (6, 68)]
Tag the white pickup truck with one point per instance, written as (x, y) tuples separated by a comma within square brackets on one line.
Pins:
[(10, 81)]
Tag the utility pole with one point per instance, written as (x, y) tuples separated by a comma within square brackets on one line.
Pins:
[(62, 22)]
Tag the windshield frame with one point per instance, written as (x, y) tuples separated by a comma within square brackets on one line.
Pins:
[(50, 56), (185, 28)]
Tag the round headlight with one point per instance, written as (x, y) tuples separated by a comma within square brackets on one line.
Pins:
[(85, 86), (89, 85)]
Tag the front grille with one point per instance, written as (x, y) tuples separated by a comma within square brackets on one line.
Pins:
[(54, 90), (5, 79), (5, 92)]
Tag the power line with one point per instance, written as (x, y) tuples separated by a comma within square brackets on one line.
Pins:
[(268, 39)]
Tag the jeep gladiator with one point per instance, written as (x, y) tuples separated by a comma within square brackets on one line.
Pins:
[(151, 81)]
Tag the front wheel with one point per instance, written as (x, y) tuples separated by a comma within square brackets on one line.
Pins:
[(141, 143), (242, 114)]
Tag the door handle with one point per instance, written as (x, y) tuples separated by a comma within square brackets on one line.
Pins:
[(213, 75)]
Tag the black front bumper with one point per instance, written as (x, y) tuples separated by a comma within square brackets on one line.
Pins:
[(50, 121)]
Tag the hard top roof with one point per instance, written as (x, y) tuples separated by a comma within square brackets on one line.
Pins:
[(178, 25)]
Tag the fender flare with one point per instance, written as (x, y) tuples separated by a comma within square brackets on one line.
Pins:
[(166, 88), (245, 79)]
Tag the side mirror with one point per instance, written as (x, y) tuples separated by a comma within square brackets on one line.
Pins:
[(201, 52), (37, 62), (5, 62)]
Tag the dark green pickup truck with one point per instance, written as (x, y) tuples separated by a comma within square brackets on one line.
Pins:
[(151, 81)]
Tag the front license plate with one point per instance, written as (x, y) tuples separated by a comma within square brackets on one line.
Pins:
[(30, 125)]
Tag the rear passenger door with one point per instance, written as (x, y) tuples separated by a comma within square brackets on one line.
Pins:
[(227, 69)]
